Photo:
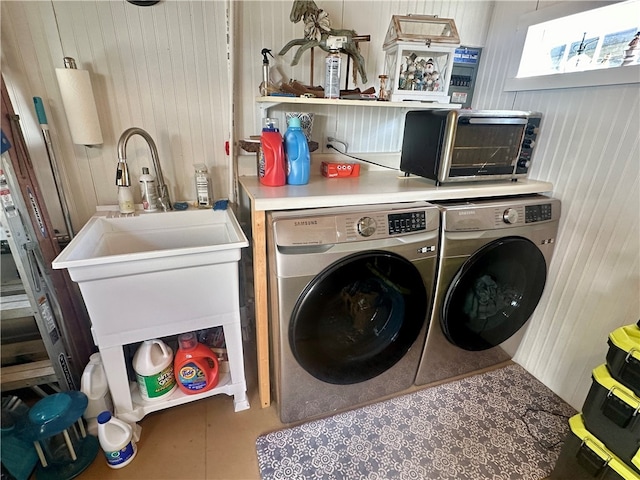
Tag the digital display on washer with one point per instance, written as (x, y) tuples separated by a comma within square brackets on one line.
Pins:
[(407, 222), (537, 213)]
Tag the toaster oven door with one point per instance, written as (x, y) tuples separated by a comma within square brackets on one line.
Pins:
[(484, 147)]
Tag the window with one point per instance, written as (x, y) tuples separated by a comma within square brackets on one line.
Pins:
[(564, 48)]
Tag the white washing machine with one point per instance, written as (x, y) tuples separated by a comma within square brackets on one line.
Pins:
[(492, 269), (350, 292)]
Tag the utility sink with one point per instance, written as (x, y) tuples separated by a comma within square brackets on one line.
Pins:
[(148, 271), (132, 243)]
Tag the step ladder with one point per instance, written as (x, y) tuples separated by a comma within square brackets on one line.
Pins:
[(33, 298)]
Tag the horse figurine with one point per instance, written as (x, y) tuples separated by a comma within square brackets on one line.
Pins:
[(317, 30)]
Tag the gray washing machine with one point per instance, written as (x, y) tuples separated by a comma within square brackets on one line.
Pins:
[(350, 293), (492, 269)]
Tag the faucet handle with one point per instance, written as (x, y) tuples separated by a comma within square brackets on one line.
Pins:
[(122, 174)]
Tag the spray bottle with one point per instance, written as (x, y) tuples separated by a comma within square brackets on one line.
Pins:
[(332, 67), (264, 86)]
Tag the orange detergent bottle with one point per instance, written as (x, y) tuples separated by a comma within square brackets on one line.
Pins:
[(195, 366)]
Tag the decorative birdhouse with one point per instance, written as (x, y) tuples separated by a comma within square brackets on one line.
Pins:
[(419, 53)]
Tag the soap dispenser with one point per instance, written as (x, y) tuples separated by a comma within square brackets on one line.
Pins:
[(125, 196)]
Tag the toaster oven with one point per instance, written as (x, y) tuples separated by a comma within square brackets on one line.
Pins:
[(469, 145)]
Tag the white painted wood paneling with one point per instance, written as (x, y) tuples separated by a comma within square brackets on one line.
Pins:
[(589, 149), (160, 68), (164, 68), (265, 24)]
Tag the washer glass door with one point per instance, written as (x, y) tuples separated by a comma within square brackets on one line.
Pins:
[(358, 317), (493, 294)]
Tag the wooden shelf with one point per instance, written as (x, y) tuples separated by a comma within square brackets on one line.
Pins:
[(272, 101)]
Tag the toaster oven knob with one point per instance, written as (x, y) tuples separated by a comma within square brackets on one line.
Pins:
[(510, 215), (366, 226)]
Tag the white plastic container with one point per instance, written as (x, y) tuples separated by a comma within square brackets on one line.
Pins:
[(204, 196), (332, 75), (153, 364), (148, 191), (125, 200), (116, 440), (93, 384)]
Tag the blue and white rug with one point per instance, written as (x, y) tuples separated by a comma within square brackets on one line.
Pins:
[(503, 424)]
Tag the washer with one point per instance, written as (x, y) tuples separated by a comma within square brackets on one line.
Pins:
[(492, 269), (350, 291)]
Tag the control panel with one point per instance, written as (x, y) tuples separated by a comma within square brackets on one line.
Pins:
[(537, 213), (354, 224), (407, 222), (528, 142)]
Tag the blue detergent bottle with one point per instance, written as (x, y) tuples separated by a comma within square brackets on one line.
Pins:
[(297, 151)]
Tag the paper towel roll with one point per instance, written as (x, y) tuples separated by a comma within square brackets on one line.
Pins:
[(79, 105)]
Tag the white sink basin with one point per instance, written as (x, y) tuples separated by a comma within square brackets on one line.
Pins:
[(157, 273), (121, 242)]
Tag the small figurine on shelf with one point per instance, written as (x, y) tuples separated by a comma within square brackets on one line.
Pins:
[(384, 93)]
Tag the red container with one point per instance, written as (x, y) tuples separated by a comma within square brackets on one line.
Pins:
[(271, 159), (195, 366)]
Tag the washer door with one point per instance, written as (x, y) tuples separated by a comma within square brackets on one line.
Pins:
[(358, 317), (493, 294)]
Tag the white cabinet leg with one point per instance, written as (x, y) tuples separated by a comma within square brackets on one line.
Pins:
[(233, 339), (116, 370)]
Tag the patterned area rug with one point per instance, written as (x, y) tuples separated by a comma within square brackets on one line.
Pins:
[(502, 424)]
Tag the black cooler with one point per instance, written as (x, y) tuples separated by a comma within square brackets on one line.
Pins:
[(610, 413), (623, 357), (585, 457)]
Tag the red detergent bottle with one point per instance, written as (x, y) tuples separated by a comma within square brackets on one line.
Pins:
[(195, 366), (271, 160)]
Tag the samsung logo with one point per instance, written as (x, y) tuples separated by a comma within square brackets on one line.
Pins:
[(467, 212), (304, 223)]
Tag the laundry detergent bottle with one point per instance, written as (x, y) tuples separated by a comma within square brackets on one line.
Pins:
[(271, 159), (153, 364), (195, 365), (297, 151)]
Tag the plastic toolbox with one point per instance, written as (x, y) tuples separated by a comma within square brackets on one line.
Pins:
[(610, 413), (623, 357), (584, 457)]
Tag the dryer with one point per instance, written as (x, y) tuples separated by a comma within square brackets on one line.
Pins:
[(492, 269), (350, 291)]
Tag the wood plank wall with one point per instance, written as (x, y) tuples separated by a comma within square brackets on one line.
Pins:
[(590, 150), (164, 68)]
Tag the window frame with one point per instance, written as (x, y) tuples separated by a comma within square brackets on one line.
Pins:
[(611, 76)]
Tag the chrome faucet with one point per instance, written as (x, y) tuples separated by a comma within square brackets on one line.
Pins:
[(122, 173)]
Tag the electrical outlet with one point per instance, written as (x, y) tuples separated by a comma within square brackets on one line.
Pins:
[(334, 140)]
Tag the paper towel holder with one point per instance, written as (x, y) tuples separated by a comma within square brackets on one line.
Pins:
[(79, 104), (70, 62)]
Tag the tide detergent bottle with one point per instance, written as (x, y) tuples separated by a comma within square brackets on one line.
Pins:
[(195, 365), (297, 151)]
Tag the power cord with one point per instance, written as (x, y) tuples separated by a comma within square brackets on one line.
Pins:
[(331, 147), (541, 441)]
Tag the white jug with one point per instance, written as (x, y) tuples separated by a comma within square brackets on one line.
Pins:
[(93, 384)]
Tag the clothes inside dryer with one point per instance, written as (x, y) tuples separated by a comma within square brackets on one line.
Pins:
[(350, 291), (492, 270), (494, 293), (358, 317)]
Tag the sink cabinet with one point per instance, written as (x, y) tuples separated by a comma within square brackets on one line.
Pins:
[(158, 275)]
